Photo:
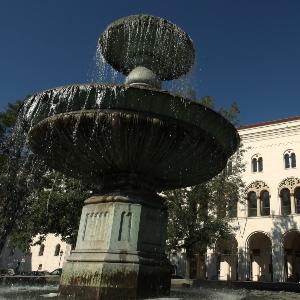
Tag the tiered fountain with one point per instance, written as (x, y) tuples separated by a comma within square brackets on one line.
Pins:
[(133, 140)]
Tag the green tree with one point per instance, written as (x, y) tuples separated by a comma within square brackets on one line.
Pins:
[(33, 198), (200, 214), (54, 208), (18, 175)]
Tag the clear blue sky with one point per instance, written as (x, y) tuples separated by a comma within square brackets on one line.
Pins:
[(247, 51)]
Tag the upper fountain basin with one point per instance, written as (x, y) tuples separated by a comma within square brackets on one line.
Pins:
[(114, 135), (148, 41)]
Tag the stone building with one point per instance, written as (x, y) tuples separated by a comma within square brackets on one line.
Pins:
[(48, 256), (266, 245)]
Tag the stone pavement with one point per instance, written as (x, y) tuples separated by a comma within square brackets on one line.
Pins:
[(229, 294), (16, 292)]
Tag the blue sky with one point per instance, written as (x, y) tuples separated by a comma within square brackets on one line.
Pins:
[(246, 51)]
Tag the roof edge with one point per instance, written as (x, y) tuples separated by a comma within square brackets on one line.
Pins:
[(276, 121)]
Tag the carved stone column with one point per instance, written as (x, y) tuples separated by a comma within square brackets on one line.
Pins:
[(293, 203), (258, 206), (120, 250)]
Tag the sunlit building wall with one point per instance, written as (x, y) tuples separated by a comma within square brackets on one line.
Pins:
[(266, 245), (48, 256)]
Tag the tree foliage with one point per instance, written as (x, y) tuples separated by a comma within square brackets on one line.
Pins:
[(33, 198), (14, 183), (54, 208), (200, 214)]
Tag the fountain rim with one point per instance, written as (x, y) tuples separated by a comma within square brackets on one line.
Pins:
[(184, 101), (120, 22), (127, 86), (113, 26)]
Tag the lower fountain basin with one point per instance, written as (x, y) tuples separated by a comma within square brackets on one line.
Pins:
[(125, 148), (128, 136)]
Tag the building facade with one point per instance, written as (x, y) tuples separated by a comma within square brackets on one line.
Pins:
[(266, 243), (48, 256)]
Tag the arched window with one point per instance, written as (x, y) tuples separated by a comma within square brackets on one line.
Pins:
[(57, 250), (289, 158), (285, 196), (293, 160), (297, 200), (257, 163), (265, 203), (254, 165), (252, 204), (286, 161), (42, 249), (260, 164)]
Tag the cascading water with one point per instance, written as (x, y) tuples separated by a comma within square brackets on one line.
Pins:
[(132, 140)]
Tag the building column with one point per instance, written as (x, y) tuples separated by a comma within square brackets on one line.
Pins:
[(212, 272), (258, 206), (293, 203), (242, 261), (277, 261), (290, 260)]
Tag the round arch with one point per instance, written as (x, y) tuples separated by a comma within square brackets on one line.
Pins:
[(227, 258), (291, 246), (286, 233), (259, 256), (230, 245), (254, 233)]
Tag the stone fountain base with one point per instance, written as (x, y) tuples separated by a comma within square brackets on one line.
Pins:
[(120, 249)]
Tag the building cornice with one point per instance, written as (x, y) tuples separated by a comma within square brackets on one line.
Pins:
[(276, 121), (270, 132)]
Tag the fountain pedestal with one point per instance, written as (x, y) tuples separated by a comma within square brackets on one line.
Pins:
[(120, 250)]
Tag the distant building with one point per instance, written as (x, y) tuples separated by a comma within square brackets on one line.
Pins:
[(266, 246), (48, 256)]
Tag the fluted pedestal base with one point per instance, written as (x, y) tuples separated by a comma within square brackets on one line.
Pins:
[(120, 249)]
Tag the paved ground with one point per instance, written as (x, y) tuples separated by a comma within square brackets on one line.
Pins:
[(228, 294), (50, 292)]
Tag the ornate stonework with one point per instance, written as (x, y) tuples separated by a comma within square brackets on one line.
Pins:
[(290, 183), (257, 186)]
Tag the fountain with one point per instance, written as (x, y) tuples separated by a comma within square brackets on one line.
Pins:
[(132, 140)]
